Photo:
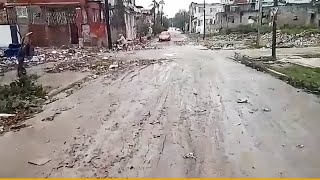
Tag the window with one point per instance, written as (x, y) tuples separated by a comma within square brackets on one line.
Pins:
[(231, 19), (199, 22), (211, 21), (22, 11), (213, 10), (95, 15), (201, 9)]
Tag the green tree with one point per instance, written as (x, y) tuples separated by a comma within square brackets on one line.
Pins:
[(181, 20)]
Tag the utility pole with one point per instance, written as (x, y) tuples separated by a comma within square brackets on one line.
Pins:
[(107, 20), (274, 29), (154, 17), (204, 19), (184, 21), (259, 22)]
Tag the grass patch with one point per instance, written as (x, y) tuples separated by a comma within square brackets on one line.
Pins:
[(293, 30), (310, 55), (302, 77)]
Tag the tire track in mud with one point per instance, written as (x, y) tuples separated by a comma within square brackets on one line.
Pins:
[(86, 163)]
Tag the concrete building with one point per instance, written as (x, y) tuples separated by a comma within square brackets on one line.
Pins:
[(295, 15), (235, 15), (197, 17), (123, 15), (58, 22)]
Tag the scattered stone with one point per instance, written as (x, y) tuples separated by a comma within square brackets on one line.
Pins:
[(267, 110), (190, 156), (300, 146), (40, 161), (114, 65), (242, 101)]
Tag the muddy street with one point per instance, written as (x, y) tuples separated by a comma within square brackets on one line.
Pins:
[(194, 113)]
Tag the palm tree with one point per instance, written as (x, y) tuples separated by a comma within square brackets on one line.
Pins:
[(161, 15)]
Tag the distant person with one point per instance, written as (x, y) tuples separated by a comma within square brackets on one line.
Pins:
[(150, 31), (26, 51), (122, 41)]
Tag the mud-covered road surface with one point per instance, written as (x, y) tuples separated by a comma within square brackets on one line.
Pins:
[(197, 114)]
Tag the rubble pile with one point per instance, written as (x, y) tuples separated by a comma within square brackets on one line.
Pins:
[(245, 41), (230, 41), (303, 39)]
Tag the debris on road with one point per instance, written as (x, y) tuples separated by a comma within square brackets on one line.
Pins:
[(247, 41), (6, 115), (300, 146), (267, 110), (40, 161), (51, 118), (253, 111), (242, 101), (190, 156), (114, 65)]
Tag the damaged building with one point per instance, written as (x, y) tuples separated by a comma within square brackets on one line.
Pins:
[(245, 12), (294, 15), (123, 15), (235, 15), (57, 22)]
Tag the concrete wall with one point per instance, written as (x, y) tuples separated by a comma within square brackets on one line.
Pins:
[(297, 15), (234, 19)]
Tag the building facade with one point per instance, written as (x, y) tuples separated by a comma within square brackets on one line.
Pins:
[(57, 22), (123, 14), (198, 18)]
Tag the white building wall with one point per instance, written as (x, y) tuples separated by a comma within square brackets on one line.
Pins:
[(298, 1), (5, 32), (197, 24)]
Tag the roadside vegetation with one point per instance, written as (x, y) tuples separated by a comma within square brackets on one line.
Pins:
[(21, 98), (302, 77)]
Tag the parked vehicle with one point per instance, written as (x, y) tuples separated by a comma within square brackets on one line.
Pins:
[(165, 36)]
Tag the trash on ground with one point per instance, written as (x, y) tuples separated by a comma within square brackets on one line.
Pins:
[(242, 101), (300, 146), (267, 110), (190, 156), (40, 161)]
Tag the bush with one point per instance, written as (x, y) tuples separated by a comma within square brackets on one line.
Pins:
[(20, 95)]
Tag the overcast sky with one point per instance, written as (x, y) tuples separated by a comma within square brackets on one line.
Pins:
[(171, 7)]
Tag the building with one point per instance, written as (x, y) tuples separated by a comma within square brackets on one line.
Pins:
[(295, 15), (123, 15), (197, 17), (235, 15), (58, 22)]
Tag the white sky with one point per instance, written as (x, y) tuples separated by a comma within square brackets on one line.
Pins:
[(171, 7)]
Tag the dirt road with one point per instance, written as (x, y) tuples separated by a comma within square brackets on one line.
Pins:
[(179, 118)]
